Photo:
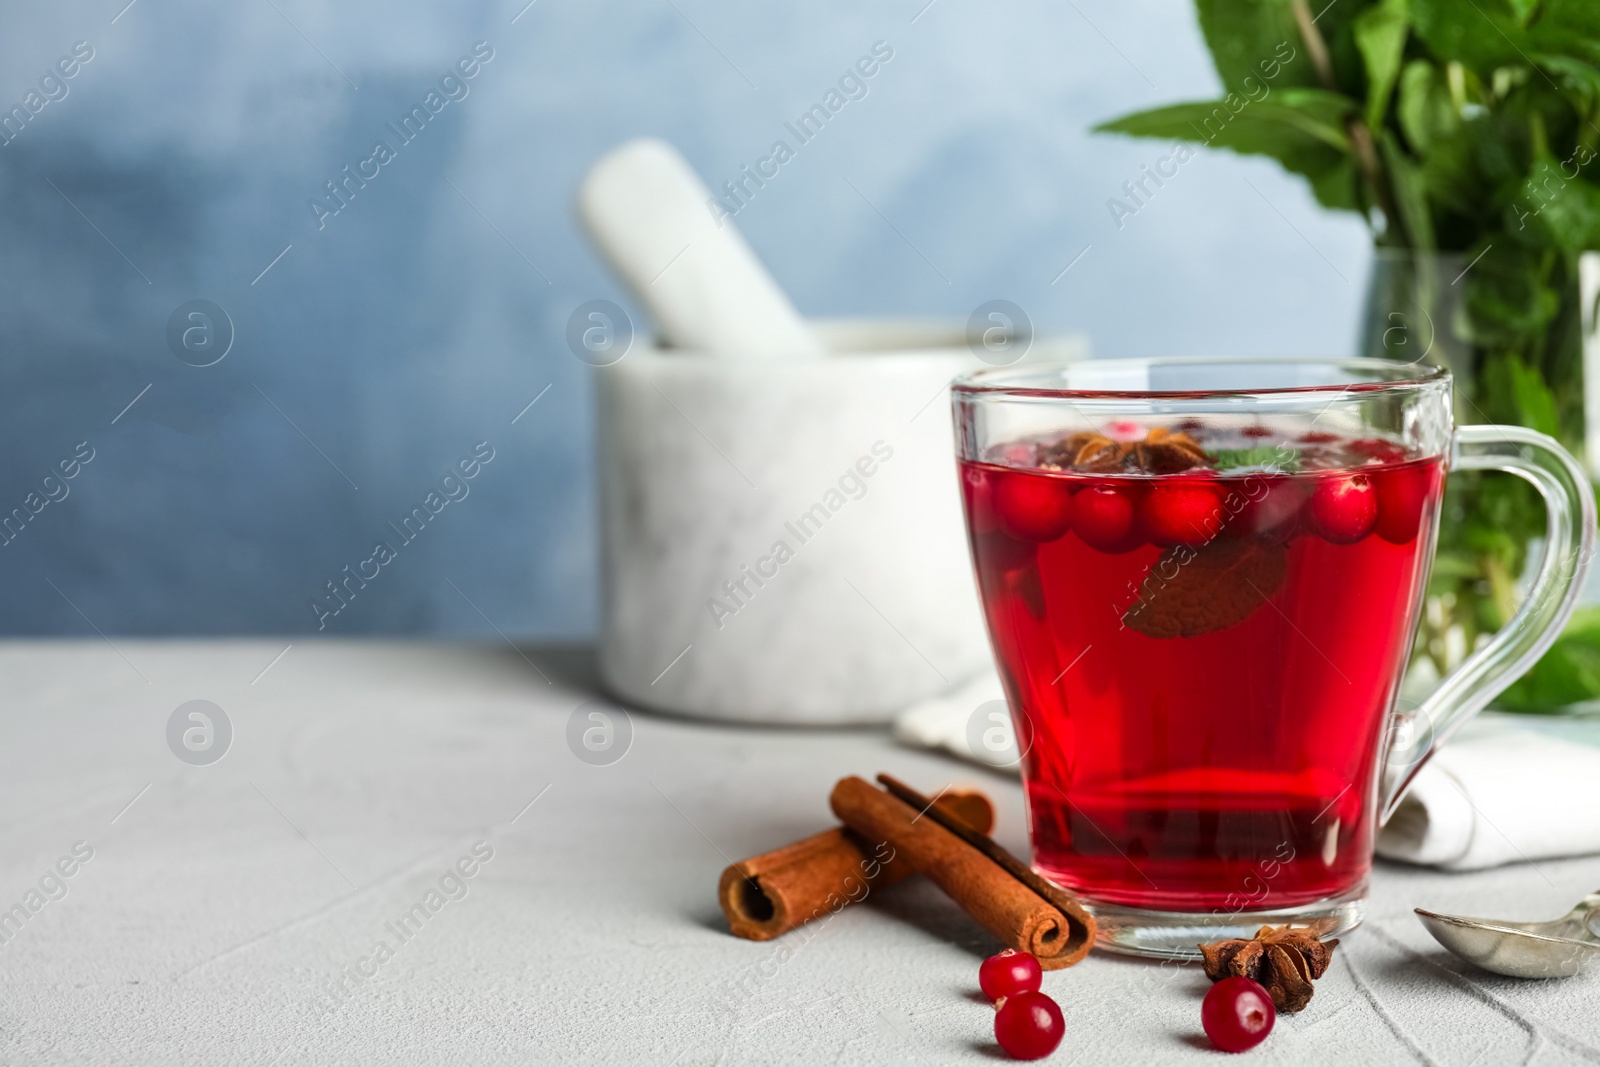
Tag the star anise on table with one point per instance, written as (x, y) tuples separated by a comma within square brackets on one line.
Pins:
[(1284, 959), (1160, 452)]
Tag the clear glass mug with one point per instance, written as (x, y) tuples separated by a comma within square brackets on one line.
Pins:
[(1201, 578)]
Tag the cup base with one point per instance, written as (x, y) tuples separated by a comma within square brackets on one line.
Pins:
[(1177, 935)]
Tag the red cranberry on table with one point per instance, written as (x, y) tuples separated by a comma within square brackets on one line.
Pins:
[(1237, 1014), (1029, 1026), (1008, 973)]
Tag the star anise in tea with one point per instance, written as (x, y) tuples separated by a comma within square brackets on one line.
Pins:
[(1165, 452), (1284, 959), (1160, 452)]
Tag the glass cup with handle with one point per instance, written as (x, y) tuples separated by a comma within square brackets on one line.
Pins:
[(1201, 579)]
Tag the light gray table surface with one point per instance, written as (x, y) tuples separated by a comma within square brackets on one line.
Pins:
[(222, 904)]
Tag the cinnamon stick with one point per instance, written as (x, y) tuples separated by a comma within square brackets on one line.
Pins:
[(768, 895), (1016, 905)]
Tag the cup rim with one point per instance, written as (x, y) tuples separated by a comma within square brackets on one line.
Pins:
[(1013, 380)]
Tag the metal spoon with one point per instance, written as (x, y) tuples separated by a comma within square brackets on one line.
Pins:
[(1559, 948)]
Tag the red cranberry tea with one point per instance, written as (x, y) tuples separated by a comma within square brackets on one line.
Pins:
[(1205, 631)]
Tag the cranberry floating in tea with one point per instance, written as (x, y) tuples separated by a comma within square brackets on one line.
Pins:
[(1201, 580)]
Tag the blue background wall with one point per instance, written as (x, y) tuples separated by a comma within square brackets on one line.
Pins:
[(422, 318)]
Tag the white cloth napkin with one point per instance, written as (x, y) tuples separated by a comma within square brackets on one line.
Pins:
[(1499, 792), (1502, 791), (946, 722)]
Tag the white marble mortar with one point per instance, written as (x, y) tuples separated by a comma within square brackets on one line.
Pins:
[(707, 466)]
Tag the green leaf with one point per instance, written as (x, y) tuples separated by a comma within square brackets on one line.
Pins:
[(1500, 143), (1303, 129), (1517, 393), (1410, 189), (1245, 125), (1483, 34), (1575, 76), (1522, 9), (1254, 39), (1488, 35), (1335, 186), (1568, 28), (1262, 457), (1454, 185), (1380, 33), (1567, 674), (1503, 511), (1508, 306), (1424, 108), (1561, 211), (1536, 405)]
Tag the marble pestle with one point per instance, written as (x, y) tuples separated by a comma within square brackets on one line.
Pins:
[(646, 212)]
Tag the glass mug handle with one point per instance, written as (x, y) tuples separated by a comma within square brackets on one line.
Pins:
[(1569, 546)]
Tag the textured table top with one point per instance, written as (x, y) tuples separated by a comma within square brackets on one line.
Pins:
[(230, 912)]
